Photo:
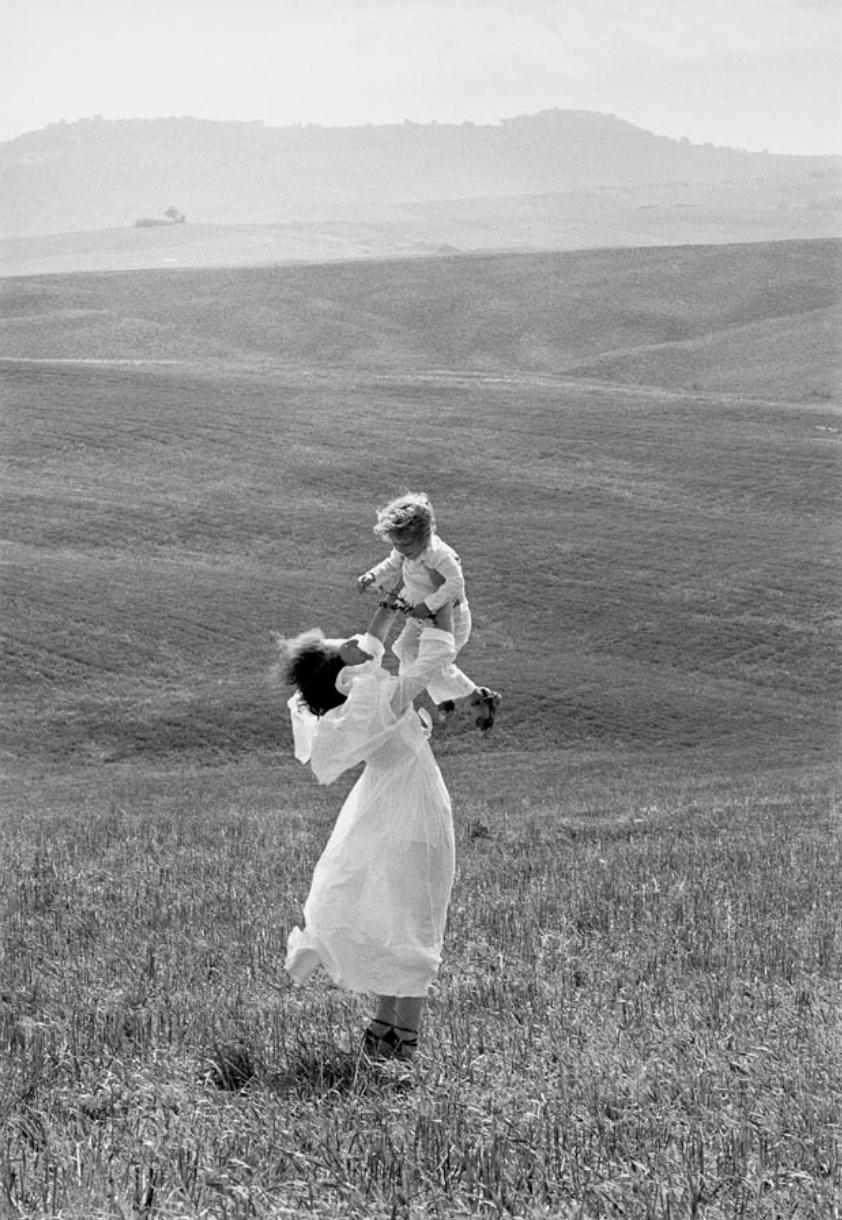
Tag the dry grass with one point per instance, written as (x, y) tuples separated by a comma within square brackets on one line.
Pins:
[(638, 1015)]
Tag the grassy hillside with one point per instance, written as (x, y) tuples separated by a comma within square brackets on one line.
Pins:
[(791, 357), (649, 571), (638, 1009), (683, 317)]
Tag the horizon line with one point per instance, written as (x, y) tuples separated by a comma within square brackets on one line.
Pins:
[(312, 125)]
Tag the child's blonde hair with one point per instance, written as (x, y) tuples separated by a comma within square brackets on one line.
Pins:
[(408, 518)]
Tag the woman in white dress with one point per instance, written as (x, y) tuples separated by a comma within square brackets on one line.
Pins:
[(375, 916)]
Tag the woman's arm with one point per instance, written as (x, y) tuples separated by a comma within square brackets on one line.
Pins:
[(384, 615), (350, 738)]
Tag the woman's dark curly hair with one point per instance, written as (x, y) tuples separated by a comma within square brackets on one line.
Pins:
[(313, 666)]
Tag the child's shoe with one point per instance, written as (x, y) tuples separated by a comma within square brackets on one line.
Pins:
[(486, 701), (444, 711)]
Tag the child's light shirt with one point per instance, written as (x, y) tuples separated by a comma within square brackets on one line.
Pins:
[(434, 578)]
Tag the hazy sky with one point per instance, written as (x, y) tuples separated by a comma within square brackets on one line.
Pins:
[(745, 73)]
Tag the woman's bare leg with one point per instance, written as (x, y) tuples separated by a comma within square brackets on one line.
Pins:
[(410, 1014), (399, 1013)]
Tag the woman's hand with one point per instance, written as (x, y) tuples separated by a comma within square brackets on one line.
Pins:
[(443, 617)]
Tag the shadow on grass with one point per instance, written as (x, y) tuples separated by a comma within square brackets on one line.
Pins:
[(321, 1068), (311, 1069), (231, 1066)]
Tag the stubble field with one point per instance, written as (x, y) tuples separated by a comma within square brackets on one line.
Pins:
[(639, 1011)]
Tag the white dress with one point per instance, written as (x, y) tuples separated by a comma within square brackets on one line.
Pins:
[(375, 915)]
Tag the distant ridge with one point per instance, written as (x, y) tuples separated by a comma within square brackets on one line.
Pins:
[(99, 173)]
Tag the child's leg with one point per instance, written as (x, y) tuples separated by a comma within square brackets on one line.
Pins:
[(454, 684), (462, 624)]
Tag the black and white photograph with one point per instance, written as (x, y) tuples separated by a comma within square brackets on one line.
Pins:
[(421, 610)]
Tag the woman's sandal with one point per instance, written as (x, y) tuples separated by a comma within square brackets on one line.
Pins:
[(487, 701), (390, 1045)]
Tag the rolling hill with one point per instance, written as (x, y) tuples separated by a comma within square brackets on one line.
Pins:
[(756, 319), (650, 536), (70, 195)]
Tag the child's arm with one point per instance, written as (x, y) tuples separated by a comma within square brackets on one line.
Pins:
[(379, 575), (445, 564)]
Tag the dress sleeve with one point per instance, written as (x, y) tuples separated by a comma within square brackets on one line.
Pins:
[(436, 651), (304, 725), (350, 733), (370, 643)]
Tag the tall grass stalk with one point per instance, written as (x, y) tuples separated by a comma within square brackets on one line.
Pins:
[(638, 1015)]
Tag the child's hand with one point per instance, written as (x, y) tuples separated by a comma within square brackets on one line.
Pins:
[(364, 581), (393, 601)]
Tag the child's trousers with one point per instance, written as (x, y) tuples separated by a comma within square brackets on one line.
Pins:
[(452, 684)]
